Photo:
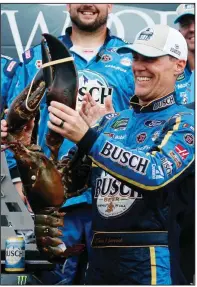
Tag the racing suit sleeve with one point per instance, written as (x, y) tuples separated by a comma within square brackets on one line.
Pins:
[(171, 158)]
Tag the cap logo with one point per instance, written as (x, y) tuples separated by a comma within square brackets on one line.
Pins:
[(175, 50), (189, 6), (146, 34)]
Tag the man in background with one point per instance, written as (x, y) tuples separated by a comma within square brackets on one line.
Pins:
[(185, 82)]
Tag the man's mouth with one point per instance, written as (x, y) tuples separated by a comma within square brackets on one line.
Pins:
[(89, 13), (143, 79)]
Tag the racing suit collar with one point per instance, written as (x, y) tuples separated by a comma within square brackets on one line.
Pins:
[(155, 105), (69, 43)]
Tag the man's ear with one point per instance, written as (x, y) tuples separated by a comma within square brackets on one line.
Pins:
[(179, 67), (109, 8)]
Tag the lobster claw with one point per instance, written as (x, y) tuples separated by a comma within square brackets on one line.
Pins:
[(25, 105), (64, 86)]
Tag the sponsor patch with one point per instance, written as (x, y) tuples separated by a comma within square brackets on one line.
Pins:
[(113, 197), (154, 123), (28, 54), (167, 165), (155, 135), (168, 101), (113, 49), (106, 58), (181, 151), (11, 66), (189, 139), (185, 125), (120, 124), (110, 135), (191, 128), (38, 64), (146, 34), (140, 138), (126, 61), (125, 158), (111, 116), (176, 159), (157, 172), (117, 68), (181, 77), (175, 50)]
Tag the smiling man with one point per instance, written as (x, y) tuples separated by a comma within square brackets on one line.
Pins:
[(185, 82), (140, 157)]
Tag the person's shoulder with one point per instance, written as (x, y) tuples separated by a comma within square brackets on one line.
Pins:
[(10, 65), (119, 41)]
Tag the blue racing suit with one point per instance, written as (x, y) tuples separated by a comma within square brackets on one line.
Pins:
[(139, 156), (10, 72), (185, 93), (108, 73)]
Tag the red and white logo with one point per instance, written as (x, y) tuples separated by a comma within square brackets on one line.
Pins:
[(38, 64), (11, 66), (181, 151)]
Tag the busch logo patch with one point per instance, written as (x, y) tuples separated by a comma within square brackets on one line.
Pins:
[(140, 138), (181, 151), (113, 197), (154, 123), (125, 158), (189, 139), (120, 124), (164, 103), (95, 84), (167, 165)]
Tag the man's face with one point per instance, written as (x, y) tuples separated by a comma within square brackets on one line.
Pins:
[(154, 77), (187, 29), (89, 17)]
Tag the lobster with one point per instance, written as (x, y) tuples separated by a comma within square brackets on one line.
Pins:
[(44, 181), (58, 77)]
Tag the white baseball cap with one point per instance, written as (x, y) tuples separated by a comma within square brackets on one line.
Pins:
[(182, 10), (157, 41)]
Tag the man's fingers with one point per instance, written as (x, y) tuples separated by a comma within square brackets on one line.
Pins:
[(62, 108), (4, 134), (108, 104)]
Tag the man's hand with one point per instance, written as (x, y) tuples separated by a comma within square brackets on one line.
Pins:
[(66, 122), (91, 111), (23, 136)]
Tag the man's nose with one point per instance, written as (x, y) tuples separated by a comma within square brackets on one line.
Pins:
[(139, 65), (192, 27)]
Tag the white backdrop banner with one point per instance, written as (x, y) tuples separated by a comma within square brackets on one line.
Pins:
[(23, 24)]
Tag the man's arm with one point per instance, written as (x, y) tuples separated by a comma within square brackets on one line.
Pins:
[(132, 166)]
